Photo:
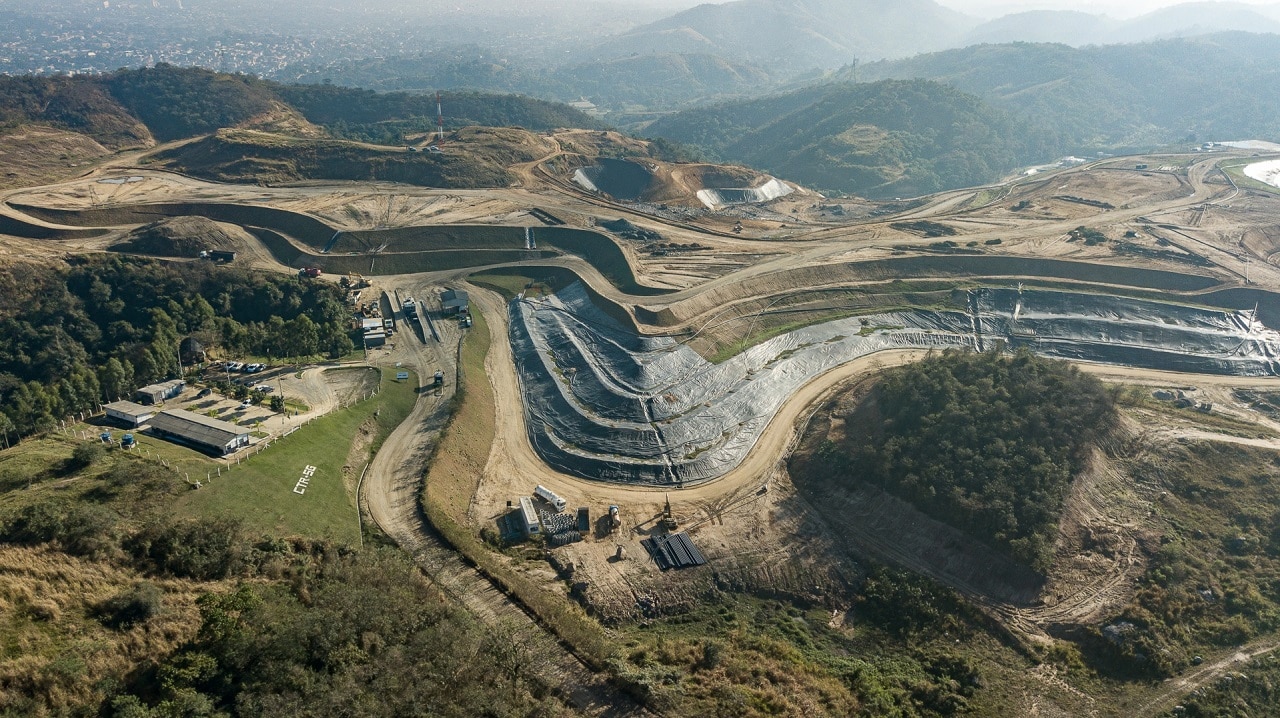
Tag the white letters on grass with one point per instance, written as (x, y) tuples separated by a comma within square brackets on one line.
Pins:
[(301, 486)]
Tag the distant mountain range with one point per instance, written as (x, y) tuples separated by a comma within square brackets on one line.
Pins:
[(750, 48), (1078, 28), (1115, 97), (962, 117), (797, 34)]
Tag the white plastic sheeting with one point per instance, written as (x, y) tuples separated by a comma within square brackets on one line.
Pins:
[(770, 190), (604, 403)]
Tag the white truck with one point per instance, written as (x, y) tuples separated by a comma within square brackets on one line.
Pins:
[(550, 497)]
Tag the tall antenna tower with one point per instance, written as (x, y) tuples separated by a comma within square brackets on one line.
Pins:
[(439, 118)]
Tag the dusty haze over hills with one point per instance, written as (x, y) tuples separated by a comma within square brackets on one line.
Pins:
[(1113, 8)]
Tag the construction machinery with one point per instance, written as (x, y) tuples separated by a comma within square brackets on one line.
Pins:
[(353, 281), (668, 521)]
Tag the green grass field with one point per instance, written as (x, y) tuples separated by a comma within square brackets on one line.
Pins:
[(260, 491)]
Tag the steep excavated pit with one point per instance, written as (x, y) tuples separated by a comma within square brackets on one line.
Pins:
[(770, 190), (691, 184), (604, 403), (621, 179)]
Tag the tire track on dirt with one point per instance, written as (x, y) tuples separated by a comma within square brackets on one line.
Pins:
[(391, 491)]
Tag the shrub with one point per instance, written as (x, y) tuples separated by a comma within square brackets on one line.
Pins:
[(132, 606), (202, 549), (80, 529), (86, 454)]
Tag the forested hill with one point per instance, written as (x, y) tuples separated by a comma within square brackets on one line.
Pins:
[(128, 107), (667, 80), (75, 336), (883, 139), (987, 443), (1214, 87)]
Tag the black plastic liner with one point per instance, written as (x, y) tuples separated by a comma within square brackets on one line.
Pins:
[(604, 403)]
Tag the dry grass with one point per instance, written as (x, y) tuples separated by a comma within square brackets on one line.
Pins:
[(55, 654), (452, 479), (32, 155), (455, 473)]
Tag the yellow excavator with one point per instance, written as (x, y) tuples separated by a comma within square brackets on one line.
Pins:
[(353, 281)]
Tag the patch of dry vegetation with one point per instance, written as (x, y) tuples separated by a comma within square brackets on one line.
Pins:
[(459, 461), (58, 649), (33, 155), (477, 157)]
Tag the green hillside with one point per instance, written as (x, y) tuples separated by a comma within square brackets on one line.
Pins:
[(71, 103), (653, 81), (130, 106), (879, 139), (183, 102), (1217, 87), (365, 114)]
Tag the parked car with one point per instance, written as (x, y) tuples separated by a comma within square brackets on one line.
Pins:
[(204, 392), (245, 404), (233, 366), (264, 388), (250, 382)]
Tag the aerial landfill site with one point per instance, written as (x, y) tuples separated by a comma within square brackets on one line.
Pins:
[(607, 404), (587, 424)]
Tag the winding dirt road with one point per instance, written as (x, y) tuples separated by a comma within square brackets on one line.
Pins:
[(390, 494)]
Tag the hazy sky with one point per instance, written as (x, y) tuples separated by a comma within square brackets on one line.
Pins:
[(1114, 8)]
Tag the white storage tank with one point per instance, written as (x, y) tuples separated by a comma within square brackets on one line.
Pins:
[(550, 497)]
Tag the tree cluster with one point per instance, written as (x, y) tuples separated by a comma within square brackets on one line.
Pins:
[(179, 102), (361, 634), (74, 337), (987, 443)]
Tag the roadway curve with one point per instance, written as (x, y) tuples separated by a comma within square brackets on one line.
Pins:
[(390, 492)]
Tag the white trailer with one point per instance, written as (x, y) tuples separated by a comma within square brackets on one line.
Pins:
[(528, 517)]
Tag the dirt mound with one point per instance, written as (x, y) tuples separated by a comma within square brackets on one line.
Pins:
[(178, 237), (284, 120), (32, 155), (472, 158)]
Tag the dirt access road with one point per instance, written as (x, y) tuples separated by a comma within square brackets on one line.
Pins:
[(390, 493)]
